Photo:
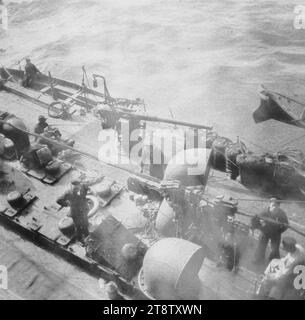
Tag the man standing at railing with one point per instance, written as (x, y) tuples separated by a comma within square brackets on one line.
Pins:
[(272, 223), (30, 72)]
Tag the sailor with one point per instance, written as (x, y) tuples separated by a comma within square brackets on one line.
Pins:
[(279, 275), (41, 125), (273, 223), (47, 133), (229, 252), (76, 199), (30, 72), (54, 134)]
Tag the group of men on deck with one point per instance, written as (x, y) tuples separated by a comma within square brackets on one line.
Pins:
[(75, 197), (272, 222), (279, 274)]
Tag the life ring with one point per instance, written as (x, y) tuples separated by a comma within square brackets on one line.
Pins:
[(94, 204), (66, 225), (57, 110)]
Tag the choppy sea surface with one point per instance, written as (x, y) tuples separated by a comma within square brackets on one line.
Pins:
[(202, 59)]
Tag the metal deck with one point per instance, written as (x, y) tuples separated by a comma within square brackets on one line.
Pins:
[(218, 184)]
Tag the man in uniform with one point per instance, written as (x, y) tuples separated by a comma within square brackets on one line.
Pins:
[(30, 72), (273, 223), (76, 199), (41, 125)]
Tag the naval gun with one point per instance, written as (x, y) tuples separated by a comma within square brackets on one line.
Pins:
[(112, 114)]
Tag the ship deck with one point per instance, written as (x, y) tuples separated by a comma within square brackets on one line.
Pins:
[(34, 263)]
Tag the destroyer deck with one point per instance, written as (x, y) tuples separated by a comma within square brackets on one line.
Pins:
[(122, 208), (34, 273)]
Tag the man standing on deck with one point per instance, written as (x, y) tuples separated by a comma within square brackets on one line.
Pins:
[(273, 223), (76, 199), (30, 72)]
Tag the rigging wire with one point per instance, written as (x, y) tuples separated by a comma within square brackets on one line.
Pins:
[(256, 145), (117, 166), (292, 140), (52, 141), (267, 200), (272, 221), (287, 98)]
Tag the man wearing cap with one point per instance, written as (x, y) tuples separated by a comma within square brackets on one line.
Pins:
[(279, 275), (76, 199), (30, 73), (41, 125), (272, 223)]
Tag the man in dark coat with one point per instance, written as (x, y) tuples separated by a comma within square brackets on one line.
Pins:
[(76, 199), (229, 252), (30, 73), (41, 125), (273, 223)]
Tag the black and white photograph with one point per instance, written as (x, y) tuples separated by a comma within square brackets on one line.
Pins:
[(152, 151)]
